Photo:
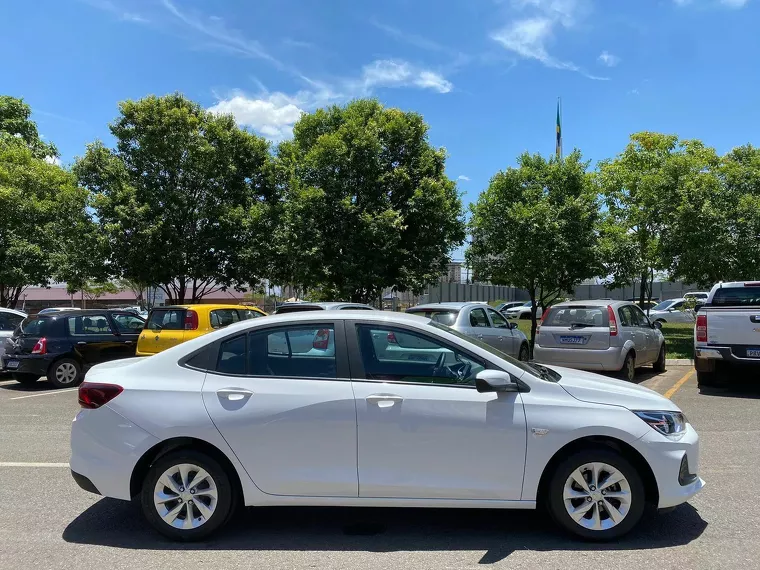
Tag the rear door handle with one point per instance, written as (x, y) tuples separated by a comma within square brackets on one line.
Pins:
[(480, 336), (127, 342), (384, 400), (82, 342), (234, 394)]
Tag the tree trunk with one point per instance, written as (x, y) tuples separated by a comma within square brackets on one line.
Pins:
[(533, 321), (643, 287)]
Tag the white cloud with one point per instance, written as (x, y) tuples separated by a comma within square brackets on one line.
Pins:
[(530, 37), (53, 160), (393, 73), (273, 114), (606, 58), (463, 178)]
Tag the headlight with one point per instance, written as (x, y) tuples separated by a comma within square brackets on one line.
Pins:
[(669, 424)]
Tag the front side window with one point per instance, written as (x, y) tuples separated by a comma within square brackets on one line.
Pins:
[(220, 318), (478, 318), (626, 316), (641, 318), (128, 323), (167, 320), (498, 321), (293, 352), (418, 359), (88, 325), (246, 314)]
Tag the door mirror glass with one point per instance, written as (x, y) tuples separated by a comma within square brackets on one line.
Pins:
[(513, 326), (657, 325), (495, 381)]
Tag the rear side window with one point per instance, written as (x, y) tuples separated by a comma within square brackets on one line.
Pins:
[(34, 326), (444, 317), (478, 318), (9, 321), (231, 359), (223, 317), (167, 319), (737, 297), (88, 324), (568, 316), (293, 352)]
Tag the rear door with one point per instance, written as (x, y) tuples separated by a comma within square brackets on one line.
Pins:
[(575, 327), (165, 328), (94, 339), (288, 414), (506, 341)]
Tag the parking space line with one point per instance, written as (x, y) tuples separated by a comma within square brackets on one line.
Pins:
[(52, 393), (677, 386), (20, 464)]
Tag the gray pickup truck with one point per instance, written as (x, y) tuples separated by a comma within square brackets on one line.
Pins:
[(727, 333)]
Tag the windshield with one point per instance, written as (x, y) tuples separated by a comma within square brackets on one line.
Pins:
[(537, 370), (662, 306), (747, 296)]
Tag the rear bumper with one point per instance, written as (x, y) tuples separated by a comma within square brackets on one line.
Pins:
[(28, 363), (84, 483), (609, 359), (734, 354)]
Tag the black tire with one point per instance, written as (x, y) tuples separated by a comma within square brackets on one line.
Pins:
[(628, 371), (224, 503), (659, 364), (556, 501), (65, 373), (524, 354), (25, 379)]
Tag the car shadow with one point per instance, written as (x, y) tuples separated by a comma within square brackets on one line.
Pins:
[(746, 391), (499, 533), (39, 386)]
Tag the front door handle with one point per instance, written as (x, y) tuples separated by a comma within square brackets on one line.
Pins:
[(384, 400), (480, 336), (82, 342), (234, 394), (127, 342)]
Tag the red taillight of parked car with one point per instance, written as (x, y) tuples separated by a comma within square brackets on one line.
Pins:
[(191, 320), (701, 328), (543, 318), (321, 339), (40, 347), (93, 395), (392, 338), (613, 320)]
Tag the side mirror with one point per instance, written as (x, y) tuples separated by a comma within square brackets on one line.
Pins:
[(495, 381), (513, 326), (657, 325)]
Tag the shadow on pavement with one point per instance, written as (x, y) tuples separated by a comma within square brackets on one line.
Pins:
[(119, 524), (41, 385)]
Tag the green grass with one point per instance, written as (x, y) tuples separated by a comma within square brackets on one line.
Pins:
[(679, 338)]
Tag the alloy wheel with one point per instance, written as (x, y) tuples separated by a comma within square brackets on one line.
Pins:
[(66, 373), (185, 496), (597, 496)]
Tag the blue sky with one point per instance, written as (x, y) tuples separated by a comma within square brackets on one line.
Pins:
[(485, 74)]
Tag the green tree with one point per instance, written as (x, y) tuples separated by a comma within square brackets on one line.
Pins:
[(534, 227), (15, 122), (644, 189), (367, 204), (40, 203), (181, 198)]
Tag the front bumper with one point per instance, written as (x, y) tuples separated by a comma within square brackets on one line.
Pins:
[(666, 458), (609, 359), (105, 447)]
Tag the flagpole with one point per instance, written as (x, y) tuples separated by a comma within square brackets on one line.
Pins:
[(560, 123)]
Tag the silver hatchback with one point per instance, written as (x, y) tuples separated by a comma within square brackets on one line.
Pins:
[(611, 336), (481, 322)]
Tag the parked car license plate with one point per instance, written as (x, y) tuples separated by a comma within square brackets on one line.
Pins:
[(753, 353), (572, 339), (11, 364)]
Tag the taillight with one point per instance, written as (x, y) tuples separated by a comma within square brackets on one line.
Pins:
[(392, 338), (191, 320), (321, 339), (543, 316), (701, 328), (40, 347), (92, 395), (613, 320)]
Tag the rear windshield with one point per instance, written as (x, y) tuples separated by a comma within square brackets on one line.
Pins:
[(34, 326), (9, 321), (445, 317), (297, 309), (579, 316), (737, 297), (167, 320)]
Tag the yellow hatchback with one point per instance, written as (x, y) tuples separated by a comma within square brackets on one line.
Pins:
[(170, 326)]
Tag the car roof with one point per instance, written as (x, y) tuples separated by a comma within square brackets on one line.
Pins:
[(209, 306), (593, 303), (81, 312), (446, 306), (12, 311)]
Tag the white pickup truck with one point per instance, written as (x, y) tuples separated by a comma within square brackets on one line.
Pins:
[(727, 332)]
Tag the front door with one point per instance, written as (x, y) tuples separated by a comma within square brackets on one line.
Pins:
[(630, 330), (423, 430), (505, 339), (649, 334), (286, 408)]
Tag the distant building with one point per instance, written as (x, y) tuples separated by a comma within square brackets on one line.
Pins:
[(453, 272)]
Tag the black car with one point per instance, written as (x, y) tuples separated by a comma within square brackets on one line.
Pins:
[(65, 344)]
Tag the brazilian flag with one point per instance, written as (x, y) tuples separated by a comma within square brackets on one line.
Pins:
[(559, 132)]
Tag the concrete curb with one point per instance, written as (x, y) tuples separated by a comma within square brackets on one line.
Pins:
[(679, 362)]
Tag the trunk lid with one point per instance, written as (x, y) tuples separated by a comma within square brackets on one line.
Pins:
[(27, 334), (575, 327), (733, 316)]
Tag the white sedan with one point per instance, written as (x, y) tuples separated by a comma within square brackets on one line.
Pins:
[(671, 311), (226, 420), (523, 311)]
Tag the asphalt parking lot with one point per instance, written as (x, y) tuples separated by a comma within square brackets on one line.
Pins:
[(46, 521)]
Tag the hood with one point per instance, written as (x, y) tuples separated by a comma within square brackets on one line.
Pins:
[(596, 389)]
